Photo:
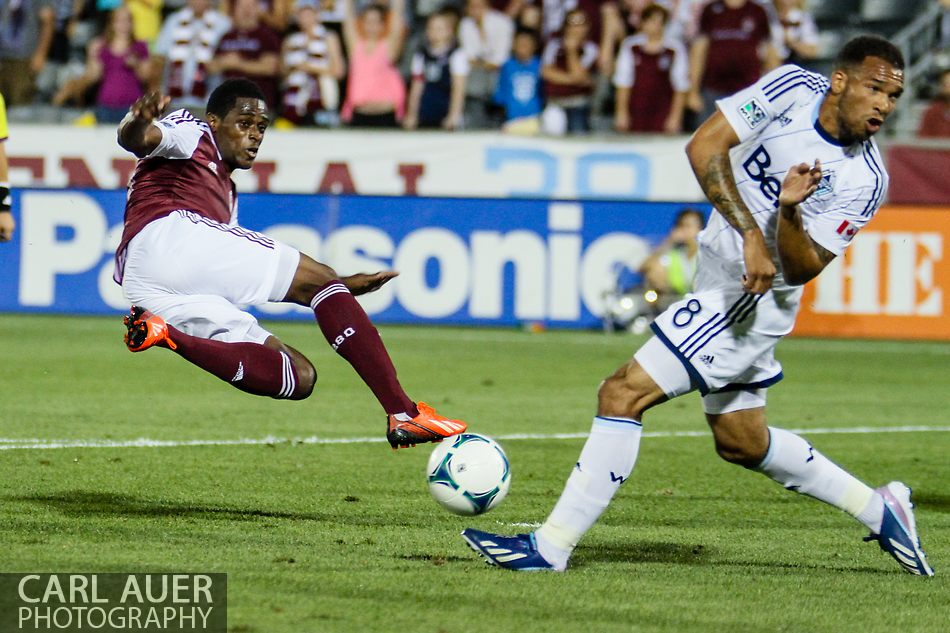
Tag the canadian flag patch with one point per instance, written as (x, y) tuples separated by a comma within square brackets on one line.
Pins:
[(847, 230)]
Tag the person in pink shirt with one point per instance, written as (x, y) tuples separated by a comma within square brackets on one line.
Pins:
[(376, 93), (118, 63)]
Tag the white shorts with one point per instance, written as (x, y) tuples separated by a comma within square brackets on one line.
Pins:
[(720, 340), (195, 273)]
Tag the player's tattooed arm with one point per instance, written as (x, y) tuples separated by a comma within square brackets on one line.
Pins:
[(801, 257), (136, 132), (708, 152)]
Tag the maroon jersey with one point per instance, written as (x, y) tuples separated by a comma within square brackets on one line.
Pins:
[(251, 45), (184, 172), (652, 77), (555, 55), (734, 36)]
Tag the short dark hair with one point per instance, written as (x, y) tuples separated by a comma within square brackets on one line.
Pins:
[(650, 9), (858, 49), (224, 97), (685, 212), (521, 30)]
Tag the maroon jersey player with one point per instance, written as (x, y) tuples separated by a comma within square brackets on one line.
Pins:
[(186, 265)]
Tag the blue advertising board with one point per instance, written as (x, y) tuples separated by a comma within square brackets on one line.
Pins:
[(461, 261)]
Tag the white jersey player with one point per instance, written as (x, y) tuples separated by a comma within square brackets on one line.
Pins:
[(793, 174)]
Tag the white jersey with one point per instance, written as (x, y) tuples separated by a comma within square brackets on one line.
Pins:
[(776, 120)]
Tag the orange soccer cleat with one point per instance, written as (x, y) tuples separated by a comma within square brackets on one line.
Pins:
[(428, 426), (146, 330)]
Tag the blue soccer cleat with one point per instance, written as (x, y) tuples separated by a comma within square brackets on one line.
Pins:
[(898, 535), (519, 553)]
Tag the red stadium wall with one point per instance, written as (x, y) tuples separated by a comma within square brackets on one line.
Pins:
[(893, 282)]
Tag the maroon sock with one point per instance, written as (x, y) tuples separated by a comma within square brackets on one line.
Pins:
[(250, 367), (350, 332)]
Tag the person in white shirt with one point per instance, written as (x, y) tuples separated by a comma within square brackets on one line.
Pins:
[(793, 173), (485, 35), (185, 46)]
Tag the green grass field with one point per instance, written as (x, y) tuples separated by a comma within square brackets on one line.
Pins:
[(344, 537)]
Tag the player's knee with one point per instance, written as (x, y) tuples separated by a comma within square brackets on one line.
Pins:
[(618, 398), (311, 275), (741, 451), (306, 380)]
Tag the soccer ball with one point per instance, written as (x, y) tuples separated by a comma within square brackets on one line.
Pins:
[(468, 474)]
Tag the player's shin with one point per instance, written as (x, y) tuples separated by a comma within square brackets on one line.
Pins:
[(352, 335), (794, 463), (251, 367), (606, 461)]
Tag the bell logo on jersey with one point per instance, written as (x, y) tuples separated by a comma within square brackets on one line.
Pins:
[(755, 165), (847, 230), (752, 112)]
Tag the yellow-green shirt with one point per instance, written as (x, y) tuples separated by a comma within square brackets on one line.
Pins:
[(3, 120)]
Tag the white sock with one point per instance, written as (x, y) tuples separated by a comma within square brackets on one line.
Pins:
[(792, 462), (605, 462)]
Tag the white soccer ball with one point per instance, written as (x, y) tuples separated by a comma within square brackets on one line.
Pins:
[(468, 474)]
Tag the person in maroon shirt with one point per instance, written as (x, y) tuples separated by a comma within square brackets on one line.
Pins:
[(651, 78), (569, 73), (186, 265), (250, 49), (734, 47), (936, 120)]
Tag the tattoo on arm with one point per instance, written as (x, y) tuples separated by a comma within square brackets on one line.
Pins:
[(720, 187), (823, 254)]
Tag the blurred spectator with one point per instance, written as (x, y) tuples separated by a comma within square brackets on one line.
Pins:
[(734, 47), (7, 224), (603, 16), (936, 120), (250, 49), (799, 32), (486, 36), (59, 67), (684, 20), (568, 72), (185, 45), (26, 34), (439, 73), (519, 86), (376, 94), (652, 78), (312, 68), (118, 64), (273, 13), (146, 19), (670, 268)]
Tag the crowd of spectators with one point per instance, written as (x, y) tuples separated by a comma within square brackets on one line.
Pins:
[(525, 66)]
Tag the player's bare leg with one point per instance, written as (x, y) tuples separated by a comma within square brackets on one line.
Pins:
[(743, 437), (352, 335), (606, 461), (269, 369)]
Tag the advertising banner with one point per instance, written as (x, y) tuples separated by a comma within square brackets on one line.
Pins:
[(388, 163), (893, 282), (461, 261)]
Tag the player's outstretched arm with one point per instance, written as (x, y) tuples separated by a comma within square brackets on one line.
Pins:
[(708, 152), (801, 257), (136, 132)]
